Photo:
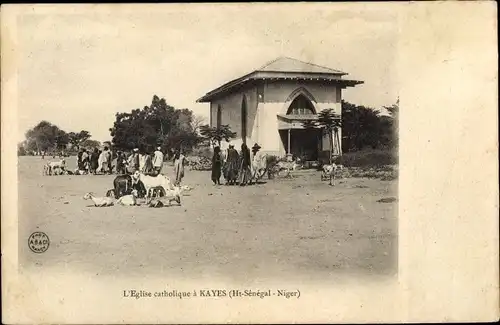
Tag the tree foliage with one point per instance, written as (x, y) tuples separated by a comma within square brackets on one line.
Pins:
[(77, 138), (46, 136), (216, 135), (330, 123), (364, 127), (90, 144), (156, 125)]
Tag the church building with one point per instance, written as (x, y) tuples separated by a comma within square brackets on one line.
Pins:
[(269, 105)]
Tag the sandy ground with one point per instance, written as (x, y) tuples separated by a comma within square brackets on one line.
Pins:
[(287, 228)]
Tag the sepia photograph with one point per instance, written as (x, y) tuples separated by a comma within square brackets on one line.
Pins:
[(230, 154), (154, 147)]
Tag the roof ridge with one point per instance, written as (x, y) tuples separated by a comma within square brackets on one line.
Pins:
[(269, 63), (317, 65)]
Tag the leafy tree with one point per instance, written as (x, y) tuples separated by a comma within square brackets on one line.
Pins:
[(365, 127), (328, 121), (76, 139), (90, 144), (362, 127), (45, 136), (216, 135), (156, 125)]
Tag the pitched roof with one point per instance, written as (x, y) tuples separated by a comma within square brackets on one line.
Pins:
[(286, 64), (284, 68)]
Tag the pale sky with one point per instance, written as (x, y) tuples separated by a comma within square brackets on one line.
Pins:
[(78, 69)]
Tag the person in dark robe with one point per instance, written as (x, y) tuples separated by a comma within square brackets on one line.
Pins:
[(148, 164), (94, 161), (79, 162), (231, 166), (216, 166), (120, 165), (244, 173)]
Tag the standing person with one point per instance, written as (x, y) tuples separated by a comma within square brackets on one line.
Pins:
[(110, 160), (148, 164), (158, 161), (179, 160), (120, 164), (85, 161), (231, 165), (94, 161), (107, 160), (134, 160), (245, 172), (100, 162), (142, 160), (216, 165), (79, 164)]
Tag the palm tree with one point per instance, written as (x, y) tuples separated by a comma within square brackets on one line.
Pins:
[(217, 134), (329, 122)]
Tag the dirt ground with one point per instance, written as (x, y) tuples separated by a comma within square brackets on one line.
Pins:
[(287, 228)]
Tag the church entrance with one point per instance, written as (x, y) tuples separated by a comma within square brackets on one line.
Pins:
[(303, 143)]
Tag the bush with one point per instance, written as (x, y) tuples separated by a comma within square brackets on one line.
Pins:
[(206, 152), (368, 158)]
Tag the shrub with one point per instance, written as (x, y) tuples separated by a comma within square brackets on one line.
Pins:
[(206, 152), (368, 158)]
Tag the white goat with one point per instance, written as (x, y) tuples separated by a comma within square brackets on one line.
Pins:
[(99, 201), (170, 195), (130, 199), (153, 181), (330, 171), (286, 166)]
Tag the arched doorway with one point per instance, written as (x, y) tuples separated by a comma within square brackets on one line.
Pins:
[(244, 119), (300, 142)]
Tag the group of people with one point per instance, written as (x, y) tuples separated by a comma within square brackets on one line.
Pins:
[(94, 161), (234, 166), (98, 161)]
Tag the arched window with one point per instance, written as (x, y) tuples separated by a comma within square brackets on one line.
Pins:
[(219, 116), (244, 119), (301, 105)]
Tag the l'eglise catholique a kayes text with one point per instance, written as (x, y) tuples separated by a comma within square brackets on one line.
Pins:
[(213, 293)]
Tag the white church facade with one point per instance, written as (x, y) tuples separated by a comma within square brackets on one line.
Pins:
[(269, 105)]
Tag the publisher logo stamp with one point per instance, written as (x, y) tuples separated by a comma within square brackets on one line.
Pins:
[(38, 242)]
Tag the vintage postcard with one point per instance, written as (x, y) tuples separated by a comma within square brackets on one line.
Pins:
[(249, 163)]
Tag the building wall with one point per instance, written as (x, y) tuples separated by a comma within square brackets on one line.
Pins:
[(262, 123), (231, 114), (277, 100)]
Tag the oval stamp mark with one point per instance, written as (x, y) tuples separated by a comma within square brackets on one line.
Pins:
[(38, 242)]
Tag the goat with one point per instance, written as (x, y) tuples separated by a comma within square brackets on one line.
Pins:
[(157, 191), (330, 171), (111, 193), (153, 181), (287, 167), (170, 195), (99, 201), (130, 199), (124, 184)]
